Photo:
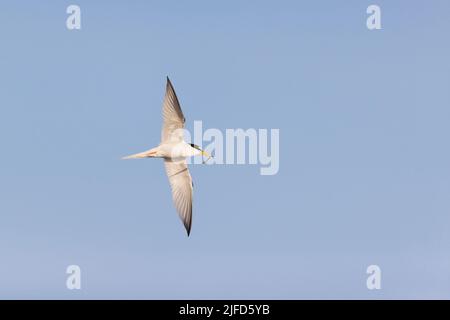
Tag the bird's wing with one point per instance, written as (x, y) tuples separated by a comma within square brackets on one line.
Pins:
[(173, 118), (182, 189)]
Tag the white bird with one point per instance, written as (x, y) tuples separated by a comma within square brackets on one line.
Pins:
[(175, 150)]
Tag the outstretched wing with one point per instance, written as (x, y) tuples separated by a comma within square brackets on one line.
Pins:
[(173, 118), (182, 189)]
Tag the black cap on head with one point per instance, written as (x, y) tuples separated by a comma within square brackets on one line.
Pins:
[(195, 146)]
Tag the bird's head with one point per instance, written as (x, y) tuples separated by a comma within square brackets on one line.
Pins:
[(202, 152)]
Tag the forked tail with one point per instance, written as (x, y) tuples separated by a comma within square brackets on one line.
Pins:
[(146, 154)]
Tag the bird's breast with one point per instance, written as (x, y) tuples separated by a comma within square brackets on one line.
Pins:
[(177, 150)]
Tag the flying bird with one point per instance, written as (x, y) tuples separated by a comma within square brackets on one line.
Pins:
[(174, 150)]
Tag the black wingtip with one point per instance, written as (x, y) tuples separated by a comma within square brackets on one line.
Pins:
[(169, 84), (188, 229)]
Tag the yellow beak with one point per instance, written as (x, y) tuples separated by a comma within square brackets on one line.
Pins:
[(206, 154)]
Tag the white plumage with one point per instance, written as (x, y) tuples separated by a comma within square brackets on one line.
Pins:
[(174, 150)]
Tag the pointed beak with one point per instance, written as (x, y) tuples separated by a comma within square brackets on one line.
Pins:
[(206, 154)]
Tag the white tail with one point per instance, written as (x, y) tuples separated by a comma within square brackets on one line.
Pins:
[(146, 154)]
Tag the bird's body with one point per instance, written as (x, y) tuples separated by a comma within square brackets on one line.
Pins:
[(174, 150)]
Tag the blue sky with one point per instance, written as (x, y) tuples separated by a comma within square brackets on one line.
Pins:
[(364, 160)]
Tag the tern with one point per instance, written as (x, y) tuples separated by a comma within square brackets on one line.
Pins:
[(174, 150)]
